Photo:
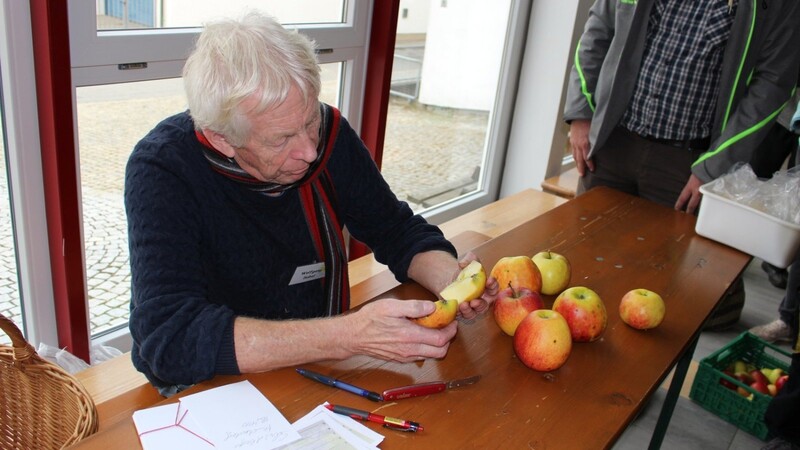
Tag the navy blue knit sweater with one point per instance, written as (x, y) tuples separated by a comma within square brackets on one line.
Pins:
[(204, 249)]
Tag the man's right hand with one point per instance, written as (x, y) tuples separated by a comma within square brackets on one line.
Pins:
[(382, 329), (579, 142)]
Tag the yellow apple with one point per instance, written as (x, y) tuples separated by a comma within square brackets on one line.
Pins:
[(468, 285), (444, 313), (542, 340), (584, 311), (642, 309), (512, 306), (555, 270), (517, 272)]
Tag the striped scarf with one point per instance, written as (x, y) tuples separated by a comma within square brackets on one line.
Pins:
[(318, 198)]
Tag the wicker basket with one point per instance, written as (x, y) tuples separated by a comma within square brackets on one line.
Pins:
[(41, 405)]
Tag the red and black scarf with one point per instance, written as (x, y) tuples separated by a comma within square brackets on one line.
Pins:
[(319, 204)]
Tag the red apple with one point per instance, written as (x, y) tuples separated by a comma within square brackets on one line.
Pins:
[(512, 306), (781, 381), (760, 387), (555, 270), (584, 311), (726, 382), (542, 340), (744, 378), (642, 309), (517, 272), (759, 377)]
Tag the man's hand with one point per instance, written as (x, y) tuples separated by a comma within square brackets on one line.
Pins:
[(382, 329), (579, 141), (690, 195)]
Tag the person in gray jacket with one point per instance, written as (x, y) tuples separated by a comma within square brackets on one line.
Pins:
[(666, 95)]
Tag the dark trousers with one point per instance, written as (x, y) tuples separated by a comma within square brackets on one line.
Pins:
[(637, 166)]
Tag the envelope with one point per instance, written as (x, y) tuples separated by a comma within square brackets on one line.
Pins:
[(169, 427)]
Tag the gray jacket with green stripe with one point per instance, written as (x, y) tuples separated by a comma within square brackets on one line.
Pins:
[(759, 74)]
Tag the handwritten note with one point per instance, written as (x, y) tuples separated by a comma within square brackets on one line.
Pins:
[(236, 416)]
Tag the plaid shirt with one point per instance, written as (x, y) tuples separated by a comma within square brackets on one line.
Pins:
[(678, 83)]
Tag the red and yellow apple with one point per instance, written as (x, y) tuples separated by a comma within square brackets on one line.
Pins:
[(584, 311), (511, 306), (642, 309), (444, 313), (517, 272), (468, 285), (542, 340), (555, 271)]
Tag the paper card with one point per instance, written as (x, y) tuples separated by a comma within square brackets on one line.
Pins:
[(169, 427), (239, 416), (361, 431)]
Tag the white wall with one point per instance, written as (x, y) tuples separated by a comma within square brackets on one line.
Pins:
[(538, 135), (463, 53), (416, 21)]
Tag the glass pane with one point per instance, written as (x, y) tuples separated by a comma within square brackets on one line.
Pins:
[(111, 120), (139, 14), (444, 82), (9, 283)]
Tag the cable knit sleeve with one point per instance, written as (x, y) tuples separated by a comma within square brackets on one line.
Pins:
[(372, 212)]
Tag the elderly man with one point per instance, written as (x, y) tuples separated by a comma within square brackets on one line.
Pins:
[(236, 209)]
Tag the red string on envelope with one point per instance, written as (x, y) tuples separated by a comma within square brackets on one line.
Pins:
[(178, 424)]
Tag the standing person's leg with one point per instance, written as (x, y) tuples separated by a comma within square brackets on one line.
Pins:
[(615, 164), (785, 328)]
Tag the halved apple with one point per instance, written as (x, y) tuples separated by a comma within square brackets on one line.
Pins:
[(468, 285), (445, 312)]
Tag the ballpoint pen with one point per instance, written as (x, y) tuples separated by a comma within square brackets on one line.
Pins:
[(374, 396), (388, 422)]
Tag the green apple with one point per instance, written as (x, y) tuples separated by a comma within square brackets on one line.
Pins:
[(468, 285), (555, 270)]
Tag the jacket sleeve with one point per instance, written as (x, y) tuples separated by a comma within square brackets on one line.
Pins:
[(767, 91), (588, 58)]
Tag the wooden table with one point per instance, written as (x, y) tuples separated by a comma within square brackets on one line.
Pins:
[(615, 243)]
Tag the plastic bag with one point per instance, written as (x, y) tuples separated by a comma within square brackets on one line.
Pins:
[(71, 363), (778, 196)]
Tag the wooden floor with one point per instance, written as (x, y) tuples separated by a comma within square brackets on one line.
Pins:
[(692, 427)]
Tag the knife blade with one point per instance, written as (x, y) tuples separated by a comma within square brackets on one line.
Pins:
[(433, 387)]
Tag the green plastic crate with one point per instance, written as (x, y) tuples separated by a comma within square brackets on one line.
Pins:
[(708, 392)]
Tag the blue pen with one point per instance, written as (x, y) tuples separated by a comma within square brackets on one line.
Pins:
[(374, 396)]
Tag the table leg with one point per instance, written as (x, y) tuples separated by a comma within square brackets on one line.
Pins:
[(672, 395)]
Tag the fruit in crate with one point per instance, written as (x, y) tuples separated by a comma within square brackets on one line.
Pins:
[(542, 340), (584, 312), (511, 306), (781, 381), (517, 272), (642, 309), (468, 285), (445, 312), (555, 271)]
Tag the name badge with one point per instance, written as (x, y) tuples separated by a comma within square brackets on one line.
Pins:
[(307, 273)]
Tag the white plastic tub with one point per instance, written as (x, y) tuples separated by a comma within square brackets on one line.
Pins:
[(747, 229)]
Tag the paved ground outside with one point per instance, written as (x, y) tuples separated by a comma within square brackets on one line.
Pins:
[(425, 147)]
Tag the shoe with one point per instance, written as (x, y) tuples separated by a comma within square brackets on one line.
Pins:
[(774, 331), (777, 276)]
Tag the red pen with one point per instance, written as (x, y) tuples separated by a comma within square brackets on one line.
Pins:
[(388, 422)]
